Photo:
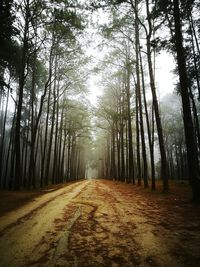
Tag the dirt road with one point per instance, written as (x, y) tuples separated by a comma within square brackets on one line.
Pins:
[(101, 223)]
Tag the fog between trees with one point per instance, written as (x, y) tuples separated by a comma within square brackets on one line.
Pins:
[(51, 133)]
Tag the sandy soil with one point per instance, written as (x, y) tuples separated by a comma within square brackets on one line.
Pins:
[(102, 223)]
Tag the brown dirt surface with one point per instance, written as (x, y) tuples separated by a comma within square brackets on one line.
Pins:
[(102, 223), (11, 200)]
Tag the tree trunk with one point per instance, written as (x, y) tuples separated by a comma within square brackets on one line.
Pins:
[(164, 168), (118, 153), (22, 77), (52, 125), (60, 143), (45, 140), (34, 128), (3, 134), (195, 61), (130, 138), (11, 139), (122, 174), (55, 160), (138, 90), (113, 164), (187, 117), (150, 136)]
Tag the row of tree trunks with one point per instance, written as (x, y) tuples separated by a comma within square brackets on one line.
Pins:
[(187, 117)]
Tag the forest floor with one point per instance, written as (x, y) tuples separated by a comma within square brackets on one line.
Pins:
[(99, 223)]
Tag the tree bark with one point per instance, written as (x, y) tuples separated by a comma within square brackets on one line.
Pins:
[(164, 167), (138, 90), (3, 134), (18, 167), (187, 117), (150, 135), (130, 138)]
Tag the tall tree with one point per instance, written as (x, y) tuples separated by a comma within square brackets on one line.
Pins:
[(187, 117), (22, 77), (174, 12)]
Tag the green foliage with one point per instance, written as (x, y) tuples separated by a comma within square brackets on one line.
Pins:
[(8, 48), (64, 21), (95, 4), (77, 118), (117, 24)]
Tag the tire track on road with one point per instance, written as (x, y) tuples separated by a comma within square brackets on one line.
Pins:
[(21, 236), (33, 211)]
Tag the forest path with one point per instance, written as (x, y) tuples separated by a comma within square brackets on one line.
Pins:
[(101, 223)]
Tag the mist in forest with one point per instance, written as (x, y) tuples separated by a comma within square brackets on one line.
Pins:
[(93, 90)]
